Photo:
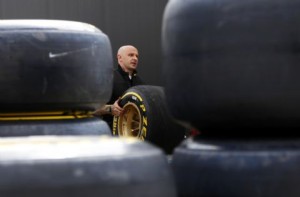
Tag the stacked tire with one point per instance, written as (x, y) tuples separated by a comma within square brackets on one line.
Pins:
[(53, 75), (83, 166), (231, 71)]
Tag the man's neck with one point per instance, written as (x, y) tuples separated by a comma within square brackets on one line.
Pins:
[(126, 70)]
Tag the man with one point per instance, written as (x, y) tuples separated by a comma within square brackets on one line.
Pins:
[(125, 76)]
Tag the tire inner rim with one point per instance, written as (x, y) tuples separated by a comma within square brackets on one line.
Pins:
[(130, 122)]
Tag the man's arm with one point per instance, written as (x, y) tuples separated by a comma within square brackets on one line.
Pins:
[(106, 109), (114, 110)]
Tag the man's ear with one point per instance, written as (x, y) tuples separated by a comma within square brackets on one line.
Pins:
[(119, 56)]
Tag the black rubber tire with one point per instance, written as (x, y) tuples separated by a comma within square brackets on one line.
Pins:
[(158, 126), (85, 126), (53, 65), (233, 65), (83, 166), (234, 168)]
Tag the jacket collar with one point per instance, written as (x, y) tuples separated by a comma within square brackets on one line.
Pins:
[(125, 73)]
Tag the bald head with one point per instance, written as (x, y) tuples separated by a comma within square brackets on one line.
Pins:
[(125, 48), (128, 58)]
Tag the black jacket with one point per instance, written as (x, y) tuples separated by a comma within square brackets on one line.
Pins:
[(121, 83)]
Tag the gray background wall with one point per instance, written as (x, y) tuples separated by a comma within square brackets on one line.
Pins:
[(136, 22)]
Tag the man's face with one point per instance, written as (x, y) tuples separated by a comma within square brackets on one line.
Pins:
[(129, 59)]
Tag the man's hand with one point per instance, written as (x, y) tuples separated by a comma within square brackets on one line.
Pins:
[(116, 110)]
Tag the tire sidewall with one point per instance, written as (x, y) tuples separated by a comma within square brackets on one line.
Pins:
[(136, 99)]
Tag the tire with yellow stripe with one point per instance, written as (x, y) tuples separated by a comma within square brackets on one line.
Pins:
[(146, 117), (83, 166)]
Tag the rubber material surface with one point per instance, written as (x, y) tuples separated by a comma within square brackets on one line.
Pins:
[(232, 66), (53, 65), (234, 168), (85, 126), (83, 166)]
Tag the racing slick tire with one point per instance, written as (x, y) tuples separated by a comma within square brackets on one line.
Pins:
[(232, 66), (81, 166), (51, 65), (146, 117), (237, 167), (82, 126)]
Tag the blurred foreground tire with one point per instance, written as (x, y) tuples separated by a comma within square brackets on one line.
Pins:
[(146, 117), (50, 65), (232, 66), (235, 168), (83, 166)]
